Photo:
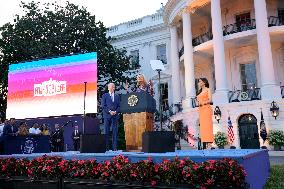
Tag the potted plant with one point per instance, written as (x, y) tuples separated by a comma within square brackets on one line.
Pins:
[(276, 139), (220, 140)]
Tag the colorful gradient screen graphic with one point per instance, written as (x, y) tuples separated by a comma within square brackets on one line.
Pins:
[(53, 87)]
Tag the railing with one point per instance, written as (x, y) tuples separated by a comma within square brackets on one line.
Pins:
[(282, 91), (202, 39), (234, 28), (113, 29), (173, 109), (169, 111), (275, 21), (239, 27), (134, 23), (194, 102), (249, 95)]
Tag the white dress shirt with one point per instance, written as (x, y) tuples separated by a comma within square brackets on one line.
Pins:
[(112, 96), (76, 131), (34, 131)]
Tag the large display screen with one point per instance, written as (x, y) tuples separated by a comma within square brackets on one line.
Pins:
[(53, 87)]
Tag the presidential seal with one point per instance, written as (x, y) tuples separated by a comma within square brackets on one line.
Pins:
[(132, 100), (28, 145)]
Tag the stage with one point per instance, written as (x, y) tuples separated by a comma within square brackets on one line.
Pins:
[(255, 162)]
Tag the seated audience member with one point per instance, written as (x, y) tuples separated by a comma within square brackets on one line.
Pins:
[(35, 129), (44, 130), (23, 130), (10, 128)]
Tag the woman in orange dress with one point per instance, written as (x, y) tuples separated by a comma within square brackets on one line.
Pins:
[(204, 99)]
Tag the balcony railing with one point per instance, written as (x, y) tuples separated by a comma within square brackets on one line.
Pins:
[(239, 95), (275, 21), (194, 102), (234, 28), (239, 27), (168, 112), (249, 95), (282, 91), (174, 109), (202, 39)]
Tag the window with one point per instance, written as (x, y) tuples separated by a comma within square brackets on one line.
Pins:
[(248, 76), (243, 21), (162, 53), (164, 95), (242, 18), (134, 59), (281, 16)]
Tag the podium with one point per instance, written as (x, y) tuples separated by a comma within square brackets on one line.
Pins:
[(138, 117)]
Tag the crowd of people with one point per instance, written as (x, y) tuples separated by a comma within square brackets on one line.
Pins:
[(10, 128)]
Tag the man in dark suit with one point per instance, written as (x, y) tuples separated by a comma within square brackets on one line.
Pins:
[(76, 138), (10, 128), (57, 139), (111, 105)]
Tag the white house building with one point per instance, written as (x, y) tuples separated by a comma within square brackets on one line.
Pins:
[(237, 45)]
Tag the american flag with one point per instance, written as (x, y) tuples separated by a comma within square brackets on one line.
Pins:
[(230, 131)]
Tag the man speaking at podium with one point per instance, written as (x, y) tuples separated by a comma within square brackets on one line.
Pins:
[(111, 106)]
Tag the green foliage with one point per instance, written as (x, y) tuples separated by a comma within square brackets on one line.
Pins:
[(276, 138), (276, 179), (220, 139), (50, 30)]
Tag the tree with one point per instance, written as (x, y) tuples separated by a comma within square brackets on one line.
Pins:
[(50, 30)]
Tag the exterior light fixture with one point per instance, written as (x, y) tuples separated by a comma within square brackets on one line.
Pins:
[(217, 113), (274, 109)]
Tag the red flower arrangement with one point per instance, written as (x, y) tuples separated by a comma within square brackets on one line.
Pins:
[(219, 173)]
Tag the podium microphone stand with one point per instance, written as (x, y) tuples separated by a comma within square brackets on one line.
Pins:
[(84, 116), (160, 99), (157, 65)]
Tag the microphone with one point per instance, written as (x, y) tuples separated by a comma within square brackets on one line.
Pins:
[(67, 123)]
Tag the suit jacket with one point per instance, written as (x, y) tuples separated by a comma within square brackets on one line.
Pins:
[(57, 136), (77, 135), (109, 105), (7, 130)]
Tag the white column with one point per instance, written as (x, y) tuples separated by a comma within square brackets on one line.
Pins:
[(221, 93), (175, 65), (269, 89), (188, 57)]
